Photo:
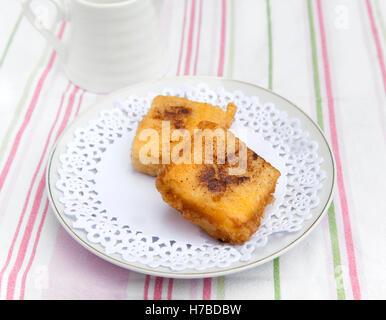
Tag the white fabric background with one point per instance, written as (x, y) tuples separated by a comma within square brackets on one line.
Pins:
[(39, 260)]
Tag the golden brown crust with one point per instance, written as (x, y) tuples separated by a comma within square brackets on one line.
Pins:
[(182, 114), (228, 207)]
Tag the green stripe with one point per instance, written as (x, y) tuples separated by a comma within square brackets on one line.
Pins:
[(315, 69), (331, 211), (380, 19), (220, 292), (21, 103), (10, 39), (276, 262), (276, 278), (336, 253), (221, 280)]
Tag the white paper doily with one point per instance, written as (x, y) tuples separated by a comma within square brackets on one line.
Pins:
[(121, 210)]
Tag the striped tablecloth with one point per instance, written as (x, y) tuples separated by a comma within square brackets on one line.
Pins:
[(327, 56)]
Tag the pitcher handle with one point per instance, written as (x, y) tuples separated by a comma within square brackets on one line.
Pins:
[(51, 38)]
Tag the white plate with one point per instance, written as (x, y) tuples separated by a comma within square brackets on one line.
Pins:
[(275, 246)]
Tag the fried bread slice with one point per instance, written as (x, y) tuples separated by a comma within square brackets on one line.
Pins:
[(229, 207), (181, 113)]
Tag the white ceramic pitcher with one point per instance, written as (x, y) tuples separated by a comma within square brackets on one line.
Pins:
[(111, 43)]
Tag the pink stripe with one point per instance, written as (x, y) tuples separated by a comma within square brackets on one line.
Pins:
[(190, 38), (33, 252), (42, 222), (158, 288), (182, 38), (335, 146), (220, 72), (193, 289), (207, 290), (25, 240), (198, 38), (30, 189), (377, 43), (36, 204), (146, 288), (28, 115), (170, 289), (80, 103), (215, 35), (68, 112), (208, 281)]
